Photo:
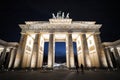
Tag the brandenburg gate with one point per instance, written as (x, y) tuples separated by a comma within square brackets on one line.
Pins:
[(60, 28)]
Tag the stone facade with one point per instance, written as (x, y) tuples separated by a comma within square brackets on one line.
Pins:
[(7, 54), (86, 34), (112, 50)]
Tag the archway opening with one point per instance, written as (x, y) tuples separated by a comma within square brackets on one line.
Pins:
[(60, 52), (75, 51), (45, 58)]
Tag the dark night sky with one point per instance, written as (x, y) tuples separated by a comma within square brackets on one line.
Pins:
[(14, 12)]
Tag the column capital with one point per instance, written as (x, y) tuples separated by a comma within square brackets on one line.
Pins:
[(12, 48), (97, 33), (82, 32), (37, 33), (22, 33), (106, 47), (69, 31), (51, 31)]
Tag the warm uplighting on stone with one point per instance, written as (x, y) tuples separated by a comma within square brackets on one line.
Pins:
[(60, 28)]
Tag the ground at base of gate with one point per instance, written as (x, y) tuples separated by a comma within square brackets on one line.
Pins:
[(60, 75)]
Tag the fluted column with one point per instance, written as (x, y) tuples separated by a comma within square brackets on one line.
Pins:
[(85, 50), (34, 55), (27, 50), (41, 54), (12, 58), (116, 52), (8, 58), (20, 50), (100, 52), (108, 58), (40, 51), (117, 58), (98, 49), (51, 50), (69, 51), (79, 51), (2, 58)]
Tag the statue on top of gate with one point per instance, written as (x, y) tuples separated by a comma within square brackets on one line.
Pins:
[(60, 15)]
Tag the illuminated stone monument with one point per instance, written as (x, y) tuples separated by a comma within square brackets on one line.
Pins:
[(60, 28)]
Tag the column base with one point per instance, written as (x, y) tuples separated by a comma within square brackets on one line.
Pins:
[(72, 68), (48, 68)]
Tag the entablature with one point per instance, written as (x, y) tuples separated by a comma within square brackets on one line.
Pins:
[(59, 26)]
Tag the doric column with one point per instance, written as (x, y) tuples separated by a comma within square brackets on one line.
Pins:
[(69, 51), (35, 48), (108, 58), (28, 49), (12, 58), (79, 53), (41, 52), (8, 58), (85, 50), (100, 51), (117, 58), (51, 50), (40, 44), (20, 51), (115, 52), (2, 58), (34, 55)]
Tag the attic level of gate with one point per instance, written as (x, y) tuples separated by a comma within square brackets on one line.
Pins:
[(60, 22)]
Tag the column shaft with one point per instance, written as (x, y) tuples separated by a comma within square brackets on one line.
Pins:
[(116, 52), (2, 58), (51, 51), (70, 54), (12, 58), (67, 53), (35, 51), (79, 51), (116, 56), (85, 50), (20, 50), (100, 51), (40, 51), (8, 58), (108, 58)]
